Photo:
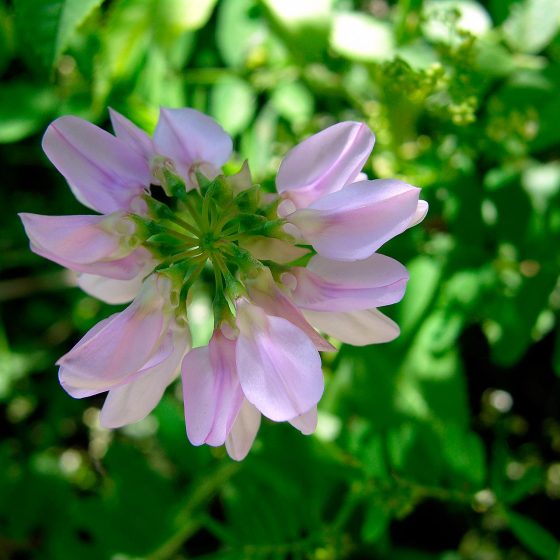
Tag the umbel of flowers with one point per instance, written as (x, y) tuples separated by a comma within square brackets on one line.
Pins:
[(283, 268)]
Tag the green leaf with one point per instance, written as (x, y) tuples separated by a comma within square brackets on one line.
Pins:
[(537, 539), (362, 37), (294, 102), (233, 104), (532, 25), (375, 524), (47, 27), (239, 32), (24, 109)]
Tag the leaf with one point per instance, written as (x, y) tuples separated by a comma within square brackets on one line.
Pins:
[(303, 26), (532, 25), (294, 102), (537, 539), (46, 28), (24, 109), (239, 31), (362, 37), (233, 104), (375, 524)]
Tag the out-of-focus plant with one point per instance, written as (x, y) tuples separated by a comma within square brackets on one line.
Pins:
[(443, 444)]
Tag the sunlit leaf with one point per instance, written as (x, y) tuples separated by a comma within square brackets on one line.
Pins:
[(47, 27)]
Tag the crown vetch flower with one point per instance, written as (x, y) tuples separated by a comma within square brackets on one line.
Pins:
[(281, 267)]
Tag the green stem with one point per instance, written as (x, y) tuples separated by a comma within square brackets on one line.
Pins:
[(189, 519)]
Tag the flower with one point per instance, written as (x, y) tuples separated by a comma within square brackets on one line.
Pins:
[(286, 267)]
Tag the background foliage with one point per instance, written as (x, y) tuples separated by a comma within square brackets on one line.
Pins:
[(442, 445)]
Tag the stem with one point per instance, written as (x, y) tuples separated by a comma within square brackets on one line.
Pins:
[(186, 521)]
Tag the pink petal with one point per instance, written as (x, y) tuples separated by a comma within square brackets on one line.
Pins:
[(306, 423), (80, 239), (134, 136), (353, 223), (327, 285), (103, 172), (243, 431), (187, 136), (420, 214), (211, 391), (279, 368), (359, 328), (133, 401), (122, 347), (266, 294), (111, 290), (324, 162)]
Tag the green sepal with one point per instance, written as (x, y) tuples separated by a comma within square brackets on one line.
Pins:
[(158, 209), (203, 181), (172, 184), (248, 200), (220, 191)]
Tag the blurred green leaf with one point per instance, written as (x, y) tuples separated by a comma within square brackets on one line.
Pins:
[(239, 31), (375, 523), (538, 540), (294, 102), (233, 104), (362, 37), (531, 25), (24, 109), (45, 28)]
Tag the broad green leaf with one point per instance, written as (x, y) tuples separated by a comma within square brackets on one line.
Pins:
[(233, 104), (532, 24), (361, 37), (46, 27), (537, 539)]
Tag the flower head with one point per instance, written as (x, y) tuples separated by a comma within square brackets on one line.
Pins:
[(282, 268)]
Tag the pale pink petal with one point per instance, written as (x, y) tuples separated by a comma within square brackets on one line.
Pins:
[(243, 431), (80, 239), (120, 269), (306, 423), (79, 387), (133, 401), (122, 347), (327, 285), (211, 391), (187, 137), (272, 249), (134, 136), (324, 162), (110, 290), (278, 366), (359, 328), (103, 172), (353, 223), (420, 214), (266, 294)]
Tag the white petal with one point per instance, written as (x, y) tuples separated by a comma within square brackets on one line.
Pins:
[(358, 328), (243, 431), (306, 423)]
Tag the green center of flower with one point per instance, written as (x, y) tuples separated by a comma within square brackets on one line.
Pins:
[(208, 230)]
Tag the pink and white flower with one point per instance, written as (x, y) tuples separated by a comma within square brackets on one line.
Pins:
[(278, 284)]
